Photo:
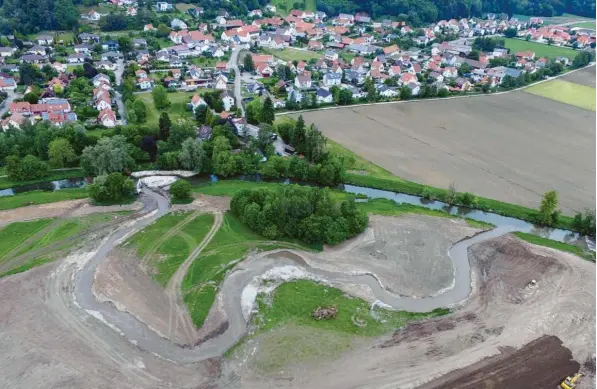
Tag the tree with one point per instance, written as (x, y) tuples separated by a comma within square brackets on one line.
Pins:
[(28, 168), (465, 68), (585, 224), (201, 114), (66, 15), (130, 111), (267, 113), (192, 155), (162, 31), (164, 124), (181, 189), (160, 97), (511, 32), (112, 188), (140, 110), (370, 89), (443, 92), (405, 93), (582, 59), (61, 152), (253, 111), (548, 208), (223, 161), (107, 156), (31, 98), (345, 97), (29, 74), (49, 72), (126, 44), (248, 64), (474, 54), (299, 135)]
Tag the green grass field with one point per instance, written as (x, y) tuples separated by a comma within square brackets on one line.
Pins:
[(589, 25), (229, 245), (289, 54), (534, 239), (295, 301), (100, 132), (540, 49), (24, 237), (165, 256), (178, 106), (54, 175), (40, 197), (581, 96)]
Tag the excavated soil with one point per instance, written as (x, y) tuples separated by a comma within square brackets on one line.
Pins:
[(501, 314), (121, 281), (408, 254), (541, 363)]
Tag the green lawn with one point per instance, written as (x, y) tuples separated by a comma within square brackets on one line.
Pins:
[(541, 50), (15, 234), (229, 245), (41, 197), (290, 54), (205, 61), (589, 25), (177, 110), (66, 36), (581, 96), (534, 239), (54, 176), (165, 256), (100, 132)]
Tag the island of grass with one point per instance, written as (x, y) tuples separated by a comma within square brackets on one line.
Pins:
[(285, 324), (32, 243), (166, 243), (178, 105), (581, 96), (290, 54), (540, 241)]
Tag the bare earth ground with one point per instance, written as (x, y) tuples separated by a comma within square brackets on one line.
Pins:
[(409, 254), (41, 347), (511, 147), (583, 77), (73, 208), (121, 281), (501, 312)]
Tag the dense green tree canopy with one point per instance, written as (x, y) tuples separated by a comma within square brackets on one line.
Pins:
[(305, 213)]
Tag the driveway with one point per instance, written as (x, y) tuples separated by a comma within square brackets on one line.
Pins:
[(117, 96), (11, 96)]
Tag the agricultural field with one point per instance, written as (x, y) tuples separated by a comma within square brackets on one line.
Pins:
[(434, 143), (589, 25), (566, 92), (540, 49)]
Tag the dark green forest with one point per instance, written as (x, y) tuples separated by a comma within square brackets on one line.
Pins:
[(418, 12), (31, 16)]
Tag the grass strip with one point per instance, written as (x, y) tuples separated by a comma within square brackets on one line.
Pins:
[(554, 244), (54, 176), (15, 234), (40, 197), (27, 266)]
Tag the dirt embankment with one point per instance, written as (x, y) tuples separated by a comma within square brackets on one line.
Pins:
[(71, 208)]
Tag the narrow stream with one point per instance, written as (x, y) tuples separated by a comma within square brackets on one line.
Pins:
[(48, 186)]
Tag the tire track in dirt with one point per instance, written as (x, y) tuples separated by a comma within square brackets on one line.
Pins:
[(173, 288)]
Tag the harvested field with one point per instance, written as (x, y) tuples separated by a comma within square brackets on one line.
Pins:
[(542, 363), (482, 144), (583, 77)]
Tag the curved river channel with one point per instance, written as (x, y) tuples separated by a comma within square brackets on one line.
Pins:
[(156, 205)]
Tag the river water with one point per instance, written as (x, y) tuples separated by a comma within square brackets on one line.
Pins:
[(49, 186)]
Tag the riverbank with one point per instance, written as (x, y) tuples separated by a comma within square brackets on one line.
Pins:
[(55, 175)]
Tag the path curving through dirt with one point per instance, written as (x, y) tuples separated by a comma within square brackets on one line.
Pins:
[(156, 205)]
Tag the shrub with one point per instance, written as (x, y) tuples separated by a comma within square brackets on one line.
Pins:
[(29, 168), (426, 194), (111, 188), (467, 199), (180, 189)]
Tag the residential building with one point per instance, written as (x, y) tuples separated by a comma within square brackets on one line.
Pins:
[(330, 79)]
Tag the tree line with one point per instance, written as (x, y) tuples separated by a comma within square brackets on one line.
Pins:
[(305, 213)]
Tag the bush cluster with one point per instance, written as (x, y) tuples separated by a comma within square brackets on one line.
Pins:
[(296, 212)]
